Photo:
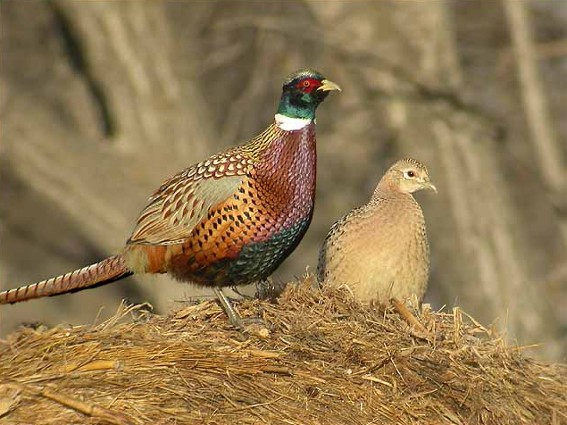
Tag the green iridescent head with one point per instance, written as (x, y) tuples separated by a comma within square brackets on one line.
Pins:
[(302, 92)]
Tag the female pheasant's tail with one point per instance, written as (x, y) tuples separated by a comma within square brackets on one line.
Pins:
[(106, 271)]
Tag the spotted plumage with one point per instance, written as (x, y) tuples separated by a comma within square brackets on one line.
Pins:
[(228, 220), (380, 250)]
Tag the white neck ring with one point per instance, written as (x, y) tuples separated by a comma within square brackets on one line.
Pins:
[(289, 124)]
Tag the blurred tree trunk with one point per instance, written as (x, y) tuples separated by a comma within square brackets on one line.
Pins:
[(548, 152)]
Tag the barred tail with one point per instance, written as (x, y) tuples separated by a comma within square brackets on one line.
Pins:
[(106, 271)]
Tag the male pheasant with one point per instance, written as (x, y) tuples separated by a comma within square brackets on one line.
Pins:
[(380, 250), (229, 220)]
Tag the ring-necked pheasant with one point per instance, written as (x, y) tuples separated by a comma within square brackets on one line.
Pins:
[(229, 220), (380, 250)]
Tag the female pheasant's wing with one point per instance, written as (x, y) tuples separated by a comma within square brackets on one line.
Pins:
[(331, 248), (185, 199)]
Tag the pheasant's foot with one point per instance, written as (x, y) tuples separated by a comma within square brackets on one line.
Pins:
[(267, 289), (247, 326)]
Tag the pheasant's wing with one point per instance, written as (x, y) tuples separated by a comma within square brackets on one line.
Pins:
[(333, 236), (184, 200)]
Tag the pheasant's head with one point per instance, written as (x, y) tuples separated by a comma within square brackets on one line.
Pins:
[(408, 176), (302, 92)]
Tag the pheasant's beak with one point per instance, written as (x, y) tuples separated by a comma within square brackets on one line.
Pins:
[(430, 186), (328, 85)]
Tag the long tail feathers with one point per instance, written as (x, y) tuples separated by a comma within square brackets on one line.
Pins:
[(106, 271)]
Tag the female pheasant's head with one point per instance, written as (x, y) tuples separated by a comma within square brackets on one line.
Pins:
[(302, 92), (406, 176)]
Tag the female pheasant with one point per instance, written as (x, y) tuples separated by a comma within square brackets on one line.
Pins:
[(229, 220), (380, 250)]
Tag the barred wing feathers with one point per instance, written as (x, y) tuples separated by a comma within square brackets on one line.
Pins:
[(185, 199)]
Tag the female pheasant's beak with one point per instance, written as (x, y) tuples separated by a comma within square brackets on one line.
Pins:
[(328, 85), (430, 186)]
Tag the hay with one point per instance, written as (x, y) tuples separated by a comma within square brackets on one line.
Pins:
[(326, 360)]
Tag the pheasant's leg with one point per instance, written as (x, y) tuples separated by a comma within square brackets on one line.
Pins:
[(406, 314), (233, 316), (248, 325)]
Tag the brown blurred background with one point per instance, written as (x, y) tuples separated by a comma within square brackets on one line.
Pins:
[(100, 101)]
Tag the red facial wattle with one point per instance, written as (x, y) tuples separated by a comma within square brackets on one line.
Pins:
[(307, 85)]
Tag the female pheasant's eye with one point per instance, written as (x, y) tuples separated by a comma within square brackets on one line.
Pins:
[(410, 174)]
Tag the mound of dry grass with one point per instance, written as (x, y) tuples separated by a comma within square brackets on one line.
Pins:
[(324, 360)]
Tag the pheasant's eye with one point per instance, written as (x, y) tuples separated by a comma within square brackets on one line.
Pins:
[(410, 174), (307, 85)]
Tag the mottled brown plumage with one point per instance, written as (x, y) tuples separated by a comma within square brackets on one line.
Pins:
[(380, 250), (229, 220)]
